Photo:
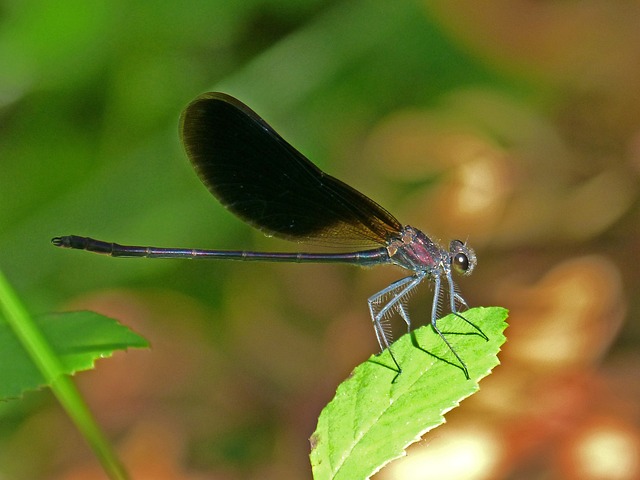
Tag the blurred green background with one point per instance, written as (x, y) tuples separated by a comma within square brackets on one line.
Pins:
[(515, 125)]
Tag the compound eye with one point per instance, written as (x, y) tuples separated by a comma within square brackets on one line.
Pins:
[(460, 262)]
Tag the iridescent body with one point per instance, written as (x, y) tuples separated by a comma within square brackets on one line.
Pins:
[(266, 182)]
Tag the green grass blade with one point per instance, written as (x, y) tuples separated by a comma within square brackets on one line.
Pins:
[(45, 351), (376, 413)]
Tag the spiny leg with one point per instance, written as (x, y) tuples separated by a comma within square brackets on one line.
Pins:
[(404, 286), (434, 313), (460, 300), (405, 315), (453, 296), (373, 300), (397, 290)]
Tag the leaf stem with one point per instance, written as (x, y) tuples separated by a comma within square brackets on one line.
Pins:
[(62, 386)]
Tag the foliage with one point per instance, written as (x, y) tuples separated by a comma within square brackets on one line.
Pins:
[(377, 413)]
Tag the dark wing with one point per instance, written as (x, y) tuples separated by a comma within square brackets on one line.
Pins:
[(266, 182)]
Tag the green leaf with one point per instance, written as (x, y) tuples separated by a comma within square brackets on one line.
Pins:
[(377, 413), (77, 338)]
